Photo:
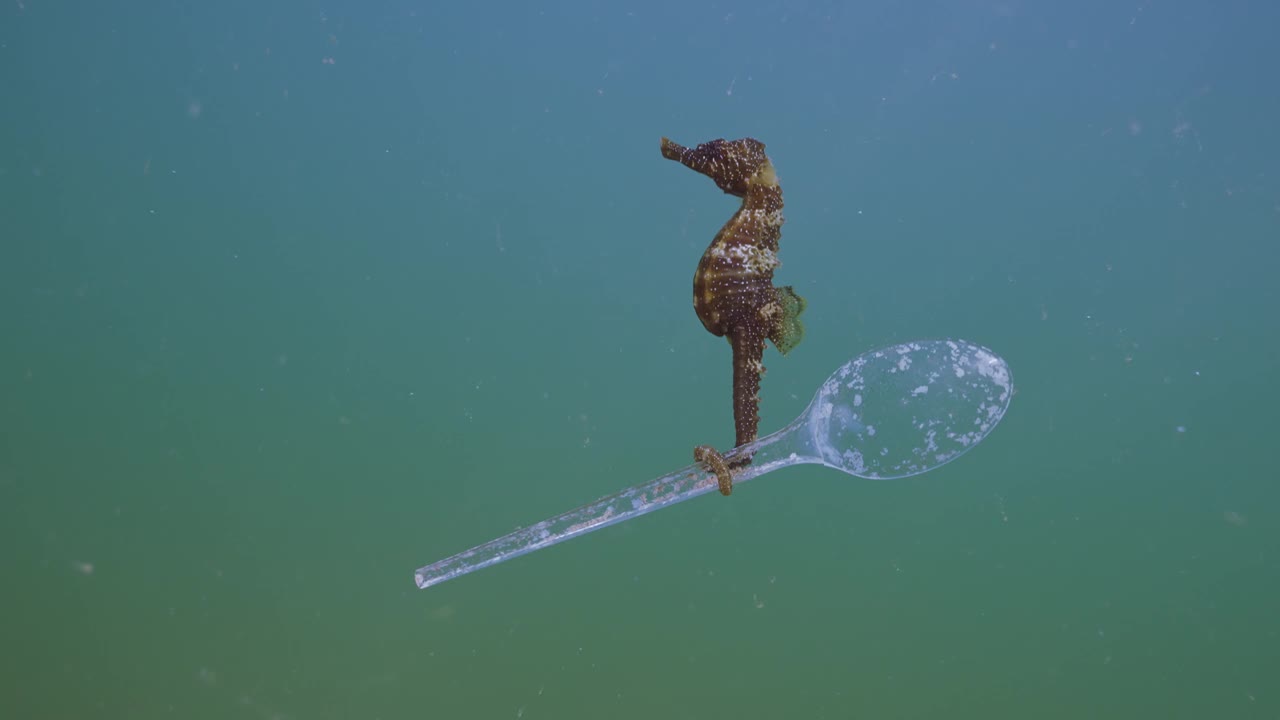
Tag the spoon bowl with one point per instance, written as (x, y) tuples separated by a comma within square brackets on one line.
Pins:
[(926, 404)]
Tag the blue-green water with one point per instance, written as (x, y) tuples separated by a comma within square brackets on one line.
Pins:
[(299, 297)]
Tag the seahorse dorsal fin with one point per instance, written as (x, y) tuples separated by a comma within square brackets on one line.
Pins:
[(788, 329)]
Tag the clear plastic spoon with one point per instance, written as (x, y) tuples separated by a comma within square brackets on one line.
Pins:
[(886, 414)]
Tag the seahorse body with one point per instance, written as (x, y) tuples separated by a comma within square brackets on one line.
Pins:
[(733, 290)]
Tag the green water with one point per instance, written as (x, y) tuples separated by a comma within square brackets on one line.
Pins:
[(300, 297)]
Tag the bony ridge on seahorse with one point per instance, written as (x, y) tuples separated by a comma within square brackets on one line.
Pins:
[(733, 290)]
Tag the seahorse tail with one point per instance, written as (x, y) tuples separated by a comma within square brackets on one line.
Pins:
[(748, 367)]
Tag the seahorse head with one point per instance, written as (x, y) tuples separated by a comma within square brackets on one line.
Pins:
[(735, 165)]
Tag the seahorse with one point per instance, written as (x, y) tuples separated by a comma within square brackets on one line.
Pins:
[(733, 291)]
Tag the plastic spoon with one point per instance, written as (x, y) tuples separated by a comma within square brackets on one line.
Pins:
[(886, 414)]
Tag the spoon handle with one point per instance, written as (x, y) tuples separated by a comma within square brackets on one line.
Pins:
[(672, 488), (768, 454)]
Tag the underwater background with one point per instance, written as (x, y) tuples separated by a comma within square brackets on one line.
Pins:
[(298, 297)]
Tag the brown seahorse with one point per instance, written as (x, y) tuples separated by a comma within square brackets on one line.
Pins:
[(733, 290)]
